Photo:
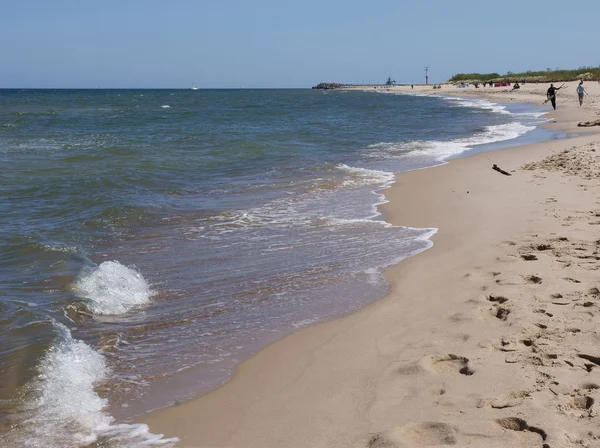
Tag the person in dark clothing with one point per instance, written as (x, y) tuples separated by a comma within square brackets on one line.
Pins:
[(551, 94)]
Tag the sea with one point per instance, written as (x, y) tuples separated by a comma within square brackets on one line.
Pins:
[(151, 240)]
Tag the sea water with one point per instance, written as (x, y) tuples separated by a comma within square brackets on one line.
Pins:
[(153, 239)]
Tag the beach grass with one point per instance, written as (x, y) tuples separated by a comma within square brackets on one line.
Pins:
[(548, 75)]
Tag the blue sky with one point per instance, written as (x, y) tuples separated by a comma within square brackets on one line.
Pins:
[(269, 43)]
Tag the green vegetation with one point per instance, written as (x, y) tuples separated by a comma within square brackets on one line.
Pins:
[(548, 75), (459, 77)]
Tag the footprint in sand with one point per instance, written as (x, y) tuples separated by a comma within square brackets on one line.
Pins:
[(451, 364), (506, 345), (583, 402), (543, 311), (558, 299), (416, 435), (594, 360), (509, 400), (533, 279), (527, 342), (497, 299), (518, 424), (500, 312), (478, 276)]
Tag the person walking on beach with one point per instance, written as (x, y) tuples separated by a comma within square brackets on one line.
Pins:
[(580, 92), (551, 94)]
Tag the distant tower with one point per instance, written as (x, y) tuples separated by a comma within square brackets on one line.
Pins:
[(426, 76)]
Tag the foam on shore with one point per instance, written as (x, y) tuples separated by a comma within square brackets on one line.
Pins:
[(63, 407)]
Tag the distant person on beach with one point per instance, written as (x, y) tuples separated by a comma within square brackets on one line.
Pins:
[(580, 92), (412, 86), (551, 94)]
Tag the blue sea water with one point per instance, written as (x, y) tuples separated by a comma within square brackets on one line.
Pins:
[(152, 239)]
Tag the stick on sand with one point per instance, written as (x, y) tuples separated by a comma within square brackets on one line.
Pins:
[(500, 170)]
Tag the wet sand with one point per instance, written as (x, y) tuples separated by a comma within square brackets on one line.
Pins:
[(487, 339)]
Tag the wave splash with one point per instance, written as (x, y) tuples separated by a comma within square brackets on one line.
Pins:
[(67, 411), (112, 288)]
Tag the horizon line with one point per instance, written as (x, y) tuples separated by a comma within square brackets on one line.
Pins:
[(149, 88)]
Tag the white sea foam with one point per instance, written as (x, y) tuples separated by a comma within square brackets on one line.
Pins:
[(66, 410), (363, 176), (442, 150), (477, 103), (374, 276), (350, 222), (305, 322), (488, 105), (306, 210), (112, 288), (425, 237), (538, 115), (426, 95), (165, 106), (61, 248)]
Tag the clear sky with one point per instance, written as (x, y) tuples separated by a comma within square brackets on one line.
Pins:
[(281, 43)]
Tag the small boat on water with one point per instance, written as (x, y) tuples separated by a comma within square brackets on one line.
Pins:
[(195, 87)]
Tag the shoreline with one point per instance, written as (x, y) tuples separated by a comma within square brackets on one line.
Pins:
[(531, 93), (293, 377), (164, 395)]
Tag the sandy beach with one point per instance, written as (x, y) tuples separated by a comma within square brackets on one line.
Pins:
[(527, 93), (488, 339)]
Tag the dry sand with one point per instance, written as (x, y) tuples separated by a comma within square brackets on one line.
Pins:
[(489, 339)]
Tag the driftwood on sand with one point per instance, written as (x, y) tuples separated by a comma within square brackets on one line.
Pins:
[(585, 124), (500, 170)]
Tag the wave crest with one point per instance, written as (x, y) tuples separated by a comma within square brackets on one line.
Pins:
[(442, 150), (363, 176), (66, 410), (112, 288)]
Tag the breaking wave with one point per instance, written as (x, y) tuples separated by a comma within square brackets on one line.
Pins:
[(65, 409), (442, 150), (112, 288)]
